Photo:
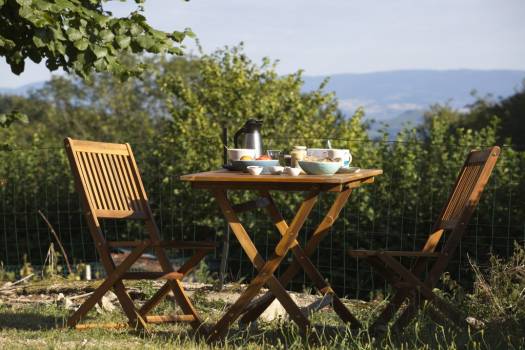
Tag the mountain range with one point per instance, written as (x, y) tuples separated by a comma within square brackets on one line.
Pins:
[(397, 97)]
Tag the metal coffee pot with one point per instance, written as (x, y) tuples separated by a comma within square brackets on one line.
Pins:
[(249, 136)]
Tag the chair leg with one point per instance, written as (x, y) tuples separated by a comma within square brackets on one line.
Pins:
[(424, 289), (165, 289), (112, 280), (390, 310)]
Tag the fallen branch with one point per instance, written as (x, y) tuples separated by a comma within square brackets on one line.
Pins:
[(80, 296), (58, 241), (17, 282)]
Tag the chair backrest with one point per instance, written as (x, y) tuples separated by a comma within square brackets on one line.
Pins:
[(465, 196), (108, 178)]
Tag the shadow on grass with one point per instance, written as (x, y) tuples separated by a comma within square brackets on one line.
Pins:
[(29, 321)]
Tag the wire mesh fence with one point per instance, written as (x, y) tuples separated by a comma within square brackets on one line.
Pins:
[(395, 212)]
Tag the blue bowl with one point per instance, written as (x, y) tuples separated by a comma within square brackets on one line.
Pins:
[(319, 168), (240, 165)]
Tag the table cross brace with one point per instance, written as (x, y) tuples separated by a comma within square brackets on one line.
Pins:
[(266, 268), (302, 260)]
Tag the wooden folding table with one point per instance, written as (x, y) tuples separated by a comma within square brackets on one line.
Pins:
[(220, 181)]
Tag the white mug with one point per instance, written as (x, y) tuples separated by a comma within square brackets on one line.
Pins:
[(343, 154)]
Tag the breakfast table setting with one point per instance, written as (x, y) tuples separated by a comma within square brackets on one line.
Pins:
[(312, 171)]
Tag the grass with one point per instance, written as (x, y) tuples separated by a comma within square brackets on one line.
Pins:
[(497, 300), (42, 327)]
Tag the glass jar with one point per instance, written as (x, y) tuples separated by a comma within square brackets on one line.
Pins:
[(298, 153)]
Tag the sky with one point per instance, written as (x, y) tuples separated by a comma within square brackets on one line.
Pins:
[(341, 36)]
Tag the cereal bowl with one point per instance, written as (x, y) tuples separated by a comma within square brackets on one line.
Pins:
[(254, 169), (319, 168)]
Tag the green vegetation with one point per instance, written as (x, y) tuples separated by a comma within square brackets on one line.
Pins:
[(78, 36), (173, 117)]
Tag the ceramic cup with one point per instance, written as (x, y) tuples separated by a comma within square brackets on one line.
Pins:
[(343, 154), (237, 153), (254, 169), (291, 171)]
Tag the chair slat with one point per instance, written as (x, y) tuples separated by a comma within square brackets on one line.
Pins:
[(92, 173), (133, 185), (108, 188), (462, 192), (85, 179), (122, 200), (129, 197), (102, 181)]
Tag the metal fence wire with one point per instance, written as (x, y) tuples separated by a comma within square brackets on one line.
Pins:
[(383, 215)]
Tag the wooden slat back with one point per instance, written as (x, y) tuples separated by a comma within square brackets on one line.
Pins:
[(465, 195), (108, 179), (468, 188)]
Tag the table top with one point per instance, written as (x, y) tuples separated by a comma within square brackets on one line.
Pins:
[(237, 179)]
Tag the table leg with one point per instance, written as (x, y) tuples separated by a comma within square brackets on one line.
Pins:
[(302, 260), (266, 269)]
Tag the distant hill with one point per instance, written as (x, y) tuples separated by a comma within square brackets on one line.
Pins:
[(399, 96), (396, 97), (22, 90)]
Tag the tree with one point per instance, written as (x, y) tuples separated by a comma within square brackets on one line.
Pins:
[(509, 110), (78, 36)]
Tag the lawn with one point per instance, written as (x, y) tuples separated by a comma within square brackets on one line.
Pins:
[(33, 315)]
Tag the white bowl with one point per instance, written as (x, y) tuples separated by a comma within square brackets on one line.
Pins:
[(254, 169), (292, 171), (276, 169), (237, 153)]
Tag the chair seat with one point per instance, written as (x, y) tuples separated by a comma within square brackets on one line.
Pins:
[(362, 253)]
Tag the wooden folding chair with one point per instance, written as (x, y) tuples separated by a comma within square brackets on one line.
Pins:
[(109, 181), (409, 283)]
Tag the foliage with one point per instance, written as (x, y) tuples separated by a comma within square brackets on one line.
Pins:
[(509, 110), (4, 274), (6, 119), (173, 117), (78, 36), (499, 290)]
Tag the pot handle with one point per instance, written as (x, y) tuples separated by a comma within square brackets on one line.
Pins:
[(236, 137)]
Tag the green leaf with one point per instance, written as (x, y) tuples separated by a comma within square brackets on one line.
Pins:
[(24, 2), (102, 20), (26, 12), (81, 44), (99, 51), (123, 41), (43, 5), (145, 41), (178, 36), (38, 42), (6, 43), (106, 35), (100, 64), (74, 34), (57, 33), (135, 29)]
